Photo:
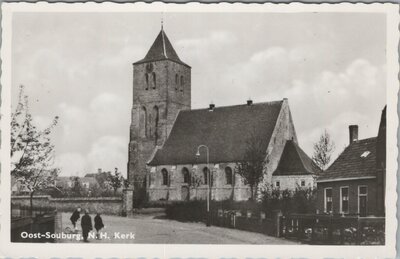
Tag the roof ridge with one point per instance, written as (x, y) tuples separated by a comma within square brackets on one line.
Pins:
[(235, 105)]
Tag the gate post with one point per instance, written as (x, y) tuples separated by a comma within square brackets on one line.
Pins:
[(127, 202)]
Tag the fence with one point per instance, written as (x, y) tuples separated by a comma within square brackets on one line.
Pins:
[(32, 226), (334, 229), (103, 205), (249, 222)]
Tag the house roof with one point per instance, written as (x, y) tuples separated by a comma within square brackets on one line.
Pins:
[(224, 130), (161, 50), (356, 161), (294, 161)]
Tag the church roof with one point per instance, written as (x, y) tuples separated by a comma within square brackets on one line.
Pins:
[(224, 130), (161, 50), (294, 161)]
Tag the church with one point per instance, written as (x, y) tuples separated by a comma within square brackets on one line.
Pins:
[(178, 153)]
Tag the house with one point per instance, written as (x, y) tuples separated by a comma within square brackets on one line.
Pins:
[(355, 182), (295, 169), (221, 136), (67, 182)]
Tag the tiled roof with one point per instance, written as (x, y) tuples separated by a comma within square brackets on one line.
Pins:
[(294, 161), (161, 50), (351, 163), (225, 131)]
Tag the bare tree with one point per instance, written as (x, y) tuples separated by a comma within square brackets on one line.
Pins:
[(251, 168), (32, 153), (323, 150)]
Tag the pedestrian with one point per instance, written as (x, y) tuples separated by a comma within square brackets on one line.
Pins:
[(86, 223), (98, 225), (75, 217)]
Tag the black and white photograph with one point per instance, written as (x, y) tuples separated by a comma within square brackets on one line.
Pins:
[(200, 126)]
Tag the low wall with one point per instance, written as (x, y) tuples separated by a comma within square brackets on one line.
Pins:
[(103, 205)]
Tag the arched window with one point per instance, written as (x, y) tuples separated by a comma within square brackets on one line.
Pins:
[(146, 86), (206, 172), (154, 80), (182, 83), (228, 175), (176, 81), (150, 127), (143, 122), (156, 118), (185, 175), (165, 177)]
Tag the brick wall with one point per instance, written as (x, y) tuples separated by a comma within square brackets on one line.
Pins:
[(353, 195), (291, 182), (168, 96), (219, 191), (103, 205)]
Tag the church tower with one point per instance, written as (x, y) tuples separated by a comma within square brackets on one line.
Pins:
[(161, 88)]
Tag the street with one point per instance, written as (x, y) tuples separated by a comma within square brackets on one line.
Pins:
[(147, 230)]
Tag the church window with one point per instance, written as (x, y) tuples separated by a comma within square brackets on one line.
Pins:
[(146, 87), (206, 173), (228, 175), (185, 175), (156, 117), (165, 177), (182, 83), (143, 122), (176, 82), (154, 80), (150, 127)]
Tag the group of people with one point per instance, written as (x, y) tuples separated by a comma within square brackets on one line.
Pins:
[(86, 223)]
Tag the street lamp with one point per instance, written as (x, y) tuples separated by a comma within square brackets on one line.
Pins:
[(208, 181)]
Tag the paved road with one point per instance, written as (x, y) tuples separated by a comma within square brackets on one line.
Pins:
[(147, 230)]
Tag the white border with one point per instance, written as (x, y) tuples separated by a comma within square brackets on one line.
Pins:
[(16, 250)]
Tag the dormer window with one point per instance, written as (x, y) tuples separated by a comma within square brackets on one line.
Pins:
[(365, 154)]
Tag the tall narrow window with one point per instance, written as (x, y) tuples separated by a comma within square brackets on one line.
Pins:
[(228, 175), (328, 200), (185, 175), (150, 126), (362, 200), (344, 199), (143, 122), (182, 84), (156, 118), (147, 81), (206, 172), (154, 80), (176, 82), (165, 177)]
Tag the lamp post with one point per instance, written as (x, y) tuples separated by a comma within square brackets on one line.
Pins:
[(208, 181)]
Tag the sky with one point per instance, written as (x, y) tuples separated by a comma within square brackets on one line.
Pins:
[(78, 66)]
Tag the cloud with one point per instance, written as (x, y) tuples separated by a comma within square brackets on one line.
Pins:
[(107, 153), (71, 164)]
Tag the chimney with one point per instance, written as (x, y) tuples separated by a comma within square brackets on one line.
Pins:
[(212, 106), (249, 102), (353, 133)]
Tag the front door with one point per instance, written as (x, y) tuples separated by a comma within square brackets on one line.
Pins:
[(185, 193), (363, 206)]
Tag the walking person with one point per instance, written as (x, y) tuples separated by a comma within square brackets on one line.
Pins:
[(98, 225), (75, 217), (86, 223)]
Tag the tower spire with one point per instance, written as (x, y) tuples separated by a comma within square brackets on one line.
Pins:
[(162, 23)]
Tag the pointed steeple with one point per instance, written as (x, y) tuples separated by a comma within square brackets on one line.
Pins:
[(161, 50)]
